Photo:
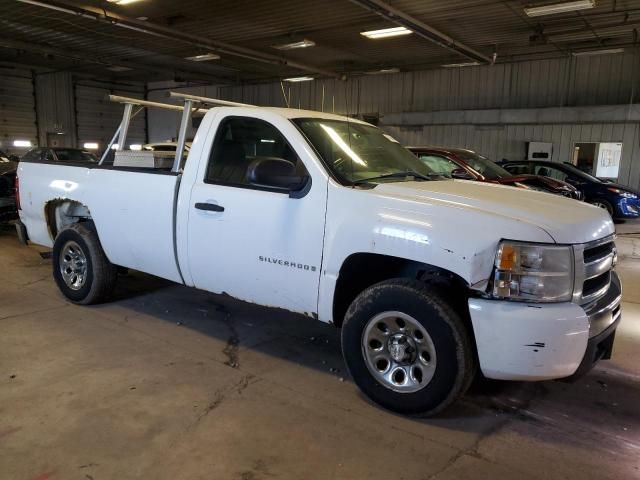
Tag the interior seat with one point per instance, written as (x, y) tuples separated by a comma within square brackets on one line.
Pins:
[(230, 163)]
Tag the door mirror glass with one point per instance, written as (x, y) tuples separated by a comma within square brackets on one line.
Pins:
[(461, 174), (275, 172)]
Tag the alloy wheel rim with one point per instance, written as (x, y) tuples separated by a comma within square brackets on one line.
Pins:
[(399, 352), (73, 265)]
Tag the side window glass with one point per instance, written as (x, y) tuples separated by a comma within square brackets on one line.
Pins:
[(47, 156), (32, 155), (550, 172), (239, 142), (438, 164), (517, 169)]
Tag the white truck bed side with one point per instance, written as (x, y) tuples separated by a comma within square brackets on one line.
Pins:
[(132, 211)]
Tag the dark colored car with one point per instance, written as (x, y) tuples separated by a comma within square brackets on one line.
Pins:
[(59, 154), (468, 165), (8, 168), (620, 201)]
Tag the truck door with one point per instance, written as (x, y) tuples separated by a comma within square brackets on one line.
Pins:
[(252, 242)]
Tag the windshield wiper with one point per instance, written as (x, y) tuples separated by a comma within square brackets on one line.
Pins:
[(405, 174)]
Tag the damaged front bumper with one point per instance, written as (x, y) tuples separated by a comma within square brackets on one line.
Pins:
[(526, 341)]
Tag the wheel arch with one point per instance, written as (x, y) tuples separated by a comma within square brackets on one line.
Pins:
[(362, 270), (62, 212)]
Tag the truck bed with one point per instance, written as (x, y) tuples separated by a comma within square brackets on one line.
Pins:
[(132, 208)]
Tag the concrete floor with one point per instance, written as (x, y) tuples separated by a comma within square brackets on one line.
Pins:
[(172, 383)]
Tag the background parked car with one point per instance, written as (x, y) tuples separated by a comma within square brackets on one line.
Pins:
[(468, 165), (8, 168), (620, 201), (59, 154)]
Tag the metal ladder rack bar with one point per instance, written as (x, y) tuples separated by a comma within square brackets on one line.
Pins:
[(123, 128), (182, 135), (209, 101)]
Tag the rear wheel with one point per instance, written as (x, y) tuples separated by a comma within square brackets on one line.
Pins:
[(406, 348), (80, 267), (604, 205)]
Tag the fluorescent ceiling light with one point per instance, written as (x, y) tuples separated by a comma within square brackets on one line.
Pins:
[(383, 71), (22, 143), (122, 2), (298, 79), (114, 146), (561, 7), (203, 58), (293, 45), (606, 51), (386, 32), (90, 146), (135, 146), (118, 68), (267, 140), (464, 64)]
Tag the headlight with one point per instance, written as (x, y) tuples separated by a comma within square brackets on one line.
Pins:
[(534, 273), (622, 193)]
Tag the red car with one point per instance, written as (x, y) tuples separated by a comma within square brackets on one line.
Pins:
[(468, 165)]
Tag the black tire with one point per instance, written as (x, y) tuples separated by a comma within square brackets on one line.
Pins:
[(101, 275), (455, 366), (604, 204)]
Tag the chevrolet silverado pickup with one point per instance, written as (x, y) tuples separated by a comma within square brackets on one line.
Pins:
[(430, 279)]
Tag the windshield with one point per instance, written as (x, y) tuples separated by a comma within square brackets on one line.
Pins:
[(482, 165), (572, 170), (72, 155), (355, 152)]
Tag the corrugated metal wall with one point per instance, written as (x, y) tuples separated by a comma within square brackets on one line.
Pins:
[(56, 109), (17, 109), (55, 115), (98, 118), (573, 81)]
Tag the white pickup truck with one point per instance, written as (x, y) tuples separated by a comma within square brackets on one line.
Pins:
[(428, 278)]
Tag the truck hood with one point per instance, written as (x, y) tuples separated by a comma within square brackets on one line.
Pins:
[(566, 221)]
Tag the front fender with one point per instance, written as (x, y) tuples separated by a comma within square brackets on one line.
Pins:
[(456, 239)]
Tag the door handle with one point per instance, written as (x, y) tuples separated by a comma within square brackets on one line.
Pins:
[(210, 207)]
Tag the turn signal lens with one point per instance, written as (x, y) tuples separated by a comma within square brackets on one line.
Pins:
[(507, 257)]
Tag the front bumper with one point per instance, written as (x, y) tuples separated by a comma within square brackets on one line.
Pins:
[(628, 208), (525, 341)]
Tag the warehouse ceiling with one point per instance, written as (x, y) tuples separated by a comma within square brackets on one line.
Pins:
[(150, 39)]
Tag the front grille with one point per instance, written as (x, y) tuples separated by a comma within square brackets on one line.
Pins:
[(594, 262), (598, 252), (594, 285)]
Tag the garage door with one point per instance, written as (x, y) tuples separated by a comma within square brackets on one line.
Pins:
[(98, 118), (17, 110)]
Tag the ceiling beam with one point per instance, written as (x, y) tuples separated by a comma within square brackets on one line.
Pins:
[(88, 58), (155, 29), (422, 29)]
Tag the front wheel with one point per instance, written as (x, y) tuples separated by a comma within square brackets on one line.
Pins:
[(80, 267), (406, 348)]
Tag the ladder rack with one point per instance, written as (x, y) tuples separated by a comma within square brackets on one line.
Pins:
[(187, 110)]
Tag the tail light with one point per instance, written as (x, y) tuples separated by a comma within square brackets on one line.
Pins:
[(17, 186)]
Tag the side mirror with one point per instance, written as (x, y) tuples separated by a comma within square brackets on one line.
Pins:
[(278, 173), (461, 174)]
